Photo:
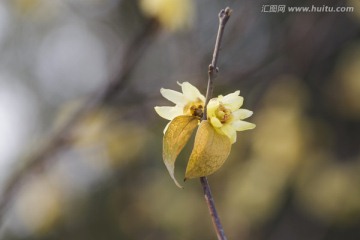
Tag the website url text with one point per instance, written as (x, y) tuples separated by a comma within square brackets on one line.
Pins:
[(312, 9)]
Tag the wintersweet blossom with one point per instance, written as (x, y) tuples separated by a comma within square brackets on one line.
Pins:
[(226, 116), (188, 103)]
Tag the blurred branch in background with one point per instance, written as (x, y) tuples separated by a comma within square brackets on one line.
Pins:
[(62, 137)]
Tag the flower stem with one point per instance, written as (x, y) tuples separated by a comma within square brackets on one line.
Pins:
[(224, 16), (212, 209)]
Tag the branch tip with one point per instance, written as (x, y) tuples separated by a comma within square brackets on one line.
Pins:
[(225, 14), (228, 11)]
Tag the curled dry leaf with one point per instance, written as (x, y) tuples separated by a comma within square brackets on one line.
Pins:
[(175, 138), (210, 151)]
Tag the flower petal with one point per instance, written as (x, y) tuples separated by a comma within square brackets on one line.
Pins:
[(229, 131), (230, 97), (211, 107), (169, 113), (215, 122), (191, 93), (242, 125), (241, 114), (173, 96), (233, 100)]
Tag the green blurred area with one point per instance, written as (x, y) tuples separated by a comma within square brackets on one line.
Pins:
[(295, 176)]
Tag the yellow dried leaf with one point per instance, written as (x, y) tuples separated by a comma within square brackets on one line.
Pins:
[(175, 138), (210, 151)]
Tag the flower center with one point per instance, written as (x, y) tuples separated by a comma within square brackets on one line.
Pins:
[(194, 109), (223, 114), (197, 110)]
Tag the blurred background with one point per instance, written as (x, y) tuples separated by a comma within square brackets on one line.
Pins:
[(80, 148)]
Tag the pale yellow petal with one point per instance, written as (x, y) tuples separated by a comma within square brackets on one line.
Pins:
[(229, 131), (242, 125), (233, 138), (233, 101), (211, 107), (241, 114), (215, 122), (230, 97), (233, 106), (173, 96), (191, 93), (169, 113), (236, 104)]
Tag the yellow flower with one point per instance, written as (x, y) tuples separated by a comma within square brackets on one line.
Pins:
[(172, 14), (225, 115), (188, 103)]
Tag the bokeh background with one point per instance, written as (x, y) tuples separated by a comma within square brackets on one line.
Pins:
[(80, 148)]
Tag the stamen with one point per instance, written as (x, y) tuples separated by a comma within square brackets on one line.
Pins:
[(196, 110)]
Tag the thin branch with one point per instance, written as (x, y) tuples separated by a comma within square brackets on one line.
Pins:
[(224, 16), (212, 209), (62, 137)]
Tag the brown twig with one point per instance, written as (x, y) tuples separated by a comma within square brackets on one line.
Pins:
[(212, 209), (224, 16), (62, 138)]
